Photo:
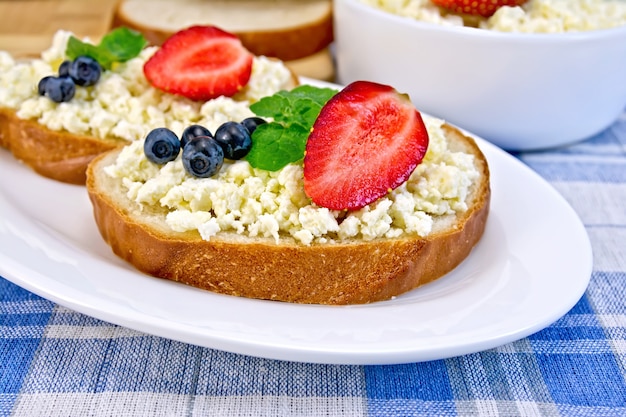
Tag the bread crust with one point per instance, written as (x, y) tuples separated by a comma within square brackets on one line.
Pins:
[(340, 273), (59, 155), (285, 42), (5, 122)]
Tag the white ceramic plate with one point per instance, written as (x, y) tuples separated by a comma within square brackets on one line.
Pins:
[(532, 265)]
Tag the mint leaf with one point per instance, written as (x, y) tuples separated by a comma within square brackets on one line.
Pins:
[(76, 48), (283, 140), (123, 44), (307, 110), (275, 146), (119, 45), (272, 106), (316, 94)]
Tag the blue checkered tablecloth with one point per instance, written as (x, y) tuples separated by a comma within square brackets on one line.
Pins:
[(56, 362)]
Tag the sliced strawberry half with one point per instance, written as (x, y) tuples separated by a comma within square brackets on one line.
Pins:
[(200, 63), (483, 8), (366, 141)]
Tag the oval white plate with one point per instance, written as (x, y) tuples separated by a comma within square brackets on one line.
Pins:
[(532, 265)]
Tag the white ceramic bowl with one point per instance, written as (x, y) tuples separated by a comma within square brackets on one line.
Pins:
[(519, 91)]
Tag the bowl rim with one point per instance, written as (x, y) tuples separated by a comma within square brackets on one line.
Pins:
[(593, 34)]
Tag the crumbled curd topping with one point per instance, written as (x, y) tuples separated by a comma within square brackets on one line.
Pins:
[(423, 10), (534, 16), (123, 104), (255, 202)]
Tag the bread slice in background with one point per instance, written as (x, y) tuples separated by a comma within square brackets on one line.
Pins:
[(348, 272), (285, 29), (298, 32), (319, 66)]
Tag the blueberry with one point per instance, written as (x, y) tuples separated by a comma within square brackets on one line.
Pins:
[(64, 68), (234, 139), (58, 89), (161, 146), (41, 87), (251, 123), (85, 71), (192, 132), (203, 157)]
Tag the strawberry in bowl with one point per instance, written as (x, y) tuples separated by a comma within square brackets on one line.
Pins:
[(483, 8)]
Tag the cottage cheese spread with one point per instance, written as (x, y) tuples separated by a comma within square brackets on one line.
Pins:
[(123, 104), (255, 202), (534, 16)]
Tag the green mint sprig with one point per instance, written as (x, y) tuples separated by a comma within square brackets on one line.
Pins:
[(283, 141), (119, 45)]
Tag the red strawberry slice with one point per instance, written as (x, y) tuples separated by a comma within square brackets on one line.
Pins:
[(483, 8), (366, 141), (200, 63)]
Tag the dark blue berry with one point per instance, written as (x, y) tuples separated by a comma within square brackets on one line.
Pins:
[(85, 71), (41, 87), (59, 89), (234, 139), (251, 123), (202, 157), (192, 132), (161, 146), (64, 68)]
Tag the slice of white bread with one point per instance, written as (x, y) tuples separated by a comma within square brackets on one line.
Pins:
[(350, 272), (284, 29), (58, 155)]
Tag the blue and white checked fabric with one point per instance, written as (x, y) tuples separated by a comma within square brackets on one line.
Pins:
[(55, 362)]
